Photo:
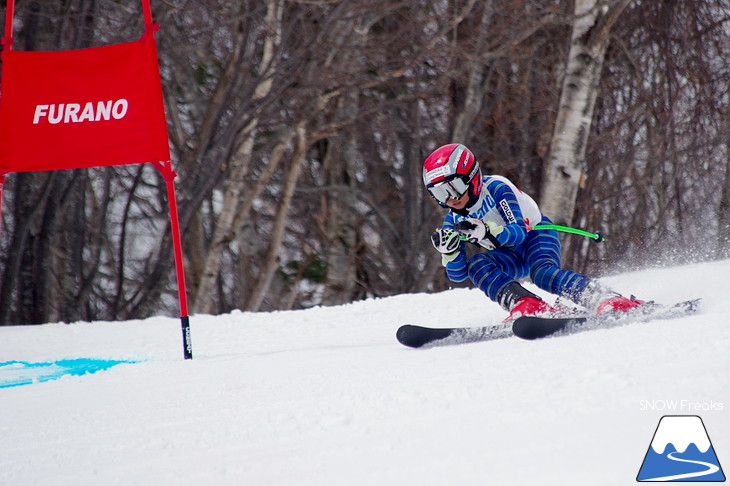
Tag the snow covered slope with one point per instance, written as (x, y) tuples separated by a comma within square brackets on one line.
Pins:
[(327, 396)]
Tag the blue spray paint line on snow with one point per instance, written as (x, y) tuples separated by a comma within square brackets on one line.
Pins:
[(16, 373)]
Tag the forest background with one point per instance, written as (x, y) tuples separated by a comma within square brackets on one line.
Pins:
[(299, 127)]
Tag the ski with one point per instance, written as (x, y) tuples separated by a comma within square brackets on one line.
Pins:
[(531, 327), (539, 327), (419, 336)]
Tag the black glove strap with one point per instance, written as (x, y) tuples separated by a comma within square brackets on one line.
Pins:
[(493, 239)]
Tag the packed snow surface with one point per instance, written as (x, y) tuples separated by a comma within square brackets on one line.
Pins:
[(327, 396)]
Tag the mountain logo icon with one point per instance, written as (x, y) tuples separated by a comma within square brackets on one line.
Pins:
[(681, 451)]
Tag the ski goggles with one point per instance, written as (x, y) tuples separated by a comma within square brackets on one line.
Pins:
[(453, 188)]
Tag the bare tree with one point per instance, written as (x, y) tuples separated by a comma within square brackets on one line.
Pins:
[(240, 161), (565, 165), (658, 156), (298, 130)]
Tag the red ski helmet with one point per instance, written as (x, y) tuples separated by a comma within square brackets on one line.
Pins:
[(451, 171)]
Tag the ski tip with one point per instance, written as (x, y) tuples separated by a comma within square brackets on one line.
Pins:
[(403, 334), (527, 328), (401, 331), (419, 336), (531, 327)]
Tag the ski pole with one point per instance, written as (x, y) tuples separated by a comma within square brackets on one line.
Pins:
[(597, 237)]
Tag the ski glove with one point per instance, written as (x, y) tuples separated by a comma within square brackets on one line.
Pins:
[(447, 242), (476, 230)]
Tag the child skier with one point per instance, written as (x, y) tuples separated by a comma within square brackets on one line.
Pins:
[(491, 212)]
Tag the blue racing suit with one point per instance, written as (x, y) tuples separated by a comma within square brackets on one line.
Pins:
[(523, 252)]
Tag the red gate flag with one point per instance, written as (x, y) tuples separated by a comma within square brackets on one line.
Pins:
[(82, 108), (89, 108)]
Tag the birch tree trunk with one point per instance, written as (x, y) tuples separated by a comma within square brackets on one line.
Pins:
[(271, 261), (225, 230), (564, 171), (724, 210)]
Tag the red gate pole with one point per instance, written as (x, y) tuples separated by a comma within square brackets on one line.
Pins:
[(169, 175), (9, 14), (147, 13), (2, 183), (7, 42)]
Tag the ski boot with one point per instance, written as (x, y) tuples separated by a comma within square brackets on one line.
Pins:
[(603, 300), (519, 301)]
